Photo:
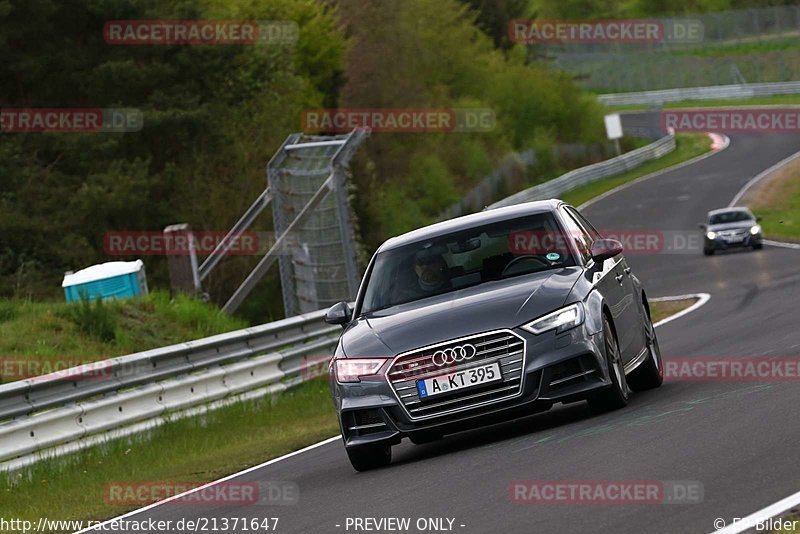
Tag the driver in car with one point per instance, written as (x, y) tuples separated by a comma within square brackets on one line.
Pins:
[(430, 276)]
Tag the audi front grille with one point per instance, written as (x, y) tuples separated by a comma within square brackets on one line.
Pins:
[(739, 232), (502, 346)]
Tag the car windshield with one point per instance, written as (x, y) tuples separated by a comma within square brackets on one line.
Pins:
[(466, 258), (726, 217)]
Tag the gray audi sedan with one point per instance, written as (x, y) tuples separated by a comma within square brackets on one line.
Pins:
[(731, 228), (484, 318)]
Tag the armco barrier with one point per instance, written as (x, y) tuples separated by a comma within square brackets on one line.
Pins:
[(43, 412), (714, 92), (590, 173)]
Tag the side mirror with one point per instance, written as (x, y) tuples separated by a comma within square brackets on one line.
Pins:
[(602, 249), (340, 313), (701, 226), (758, 219)]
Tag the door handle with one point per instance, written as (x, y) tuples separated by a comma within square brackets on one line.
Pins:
[(619, 278), (627, 270)]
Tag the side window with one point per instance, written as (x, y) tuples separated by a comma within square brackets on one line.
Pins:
[(586, 224), (577, 235)]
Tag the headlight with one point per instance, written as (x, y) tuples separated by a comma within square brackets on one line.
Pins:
[(755, 230), (563, 319), (711, 235), (348, 370)]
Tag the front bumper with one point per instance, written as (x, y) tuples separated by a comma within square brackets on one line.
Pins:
[(721, 244), (558, 368)]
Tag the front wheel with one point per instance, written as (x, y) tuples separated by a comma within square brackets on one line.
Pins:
[(616, 395), (650, 374), (368, 457), (758, 246)]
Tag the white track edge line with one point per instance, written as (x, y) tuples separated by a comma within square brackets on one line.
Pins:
[(224, 479), (702, 298), (782, 244), (765, 513), (760, 176), (753, 181)]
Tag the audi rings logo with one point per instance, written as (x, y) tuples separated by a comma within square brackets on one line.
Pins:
[(453, 355)]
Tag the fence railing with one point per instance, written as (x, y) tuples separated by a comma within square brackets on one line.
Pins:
[(513, 169), (717, 92), (68, 407), (719, 29), (590, 173), (749, 45), (650, 71)]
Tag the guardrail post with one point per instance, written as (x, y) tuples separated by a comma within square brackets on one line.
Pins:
[(181, 261)]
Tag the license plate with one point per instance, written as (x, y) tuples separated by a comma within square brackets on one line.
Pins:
[(474, 376)]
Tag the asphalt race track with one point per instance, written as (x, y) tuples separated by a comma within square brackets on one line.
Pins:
[(739, 439)]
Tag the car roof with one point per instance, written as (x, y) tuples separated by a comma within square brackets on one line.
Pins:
[(727, 210), (470, 221)]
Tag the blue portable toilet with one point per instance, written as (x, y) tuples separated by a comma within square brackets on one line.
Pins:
[(112, 280)]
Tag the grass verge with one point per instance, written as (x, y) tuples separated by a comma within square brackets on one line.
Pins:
[(661, 309), (41, 337), (687, 147), (776, 199), (190, 450), (789, 523)]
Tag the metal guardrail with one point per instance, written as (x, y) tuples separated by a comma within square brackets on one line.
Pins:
[(515, 166), (590, 173), (67, 407), (716, 92), (510, 169)]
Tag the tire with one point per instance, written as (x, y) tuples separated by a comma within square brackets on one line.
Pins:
[(368, 457), (650, 374), (616, 395), (758, 246), (708, 251)]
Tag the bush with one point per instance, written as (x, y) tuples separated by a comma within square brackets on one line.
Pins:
[(93, 318), (8, 311), (213, 115), (433, 54)]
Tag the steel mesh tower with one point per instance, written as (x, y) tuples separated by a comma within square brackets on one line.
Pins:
[(318, 266)]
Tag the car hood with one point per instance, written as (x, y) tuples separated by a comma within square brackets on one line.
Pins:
[(489, 306), (740, 225)]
